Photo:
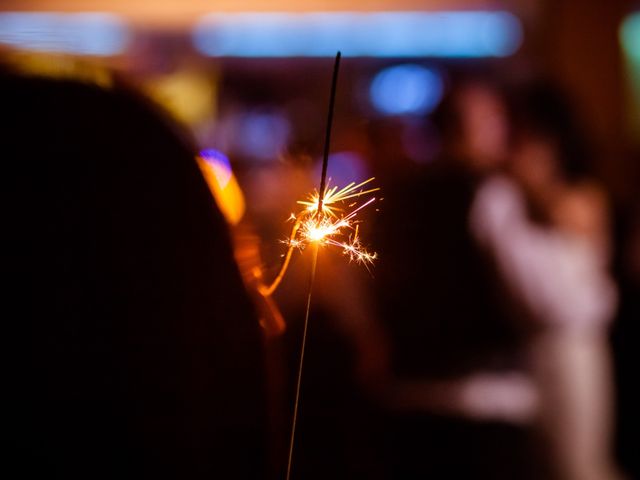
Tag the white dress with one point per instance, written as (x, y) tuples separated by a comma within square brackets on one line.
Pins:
[(560, 277)]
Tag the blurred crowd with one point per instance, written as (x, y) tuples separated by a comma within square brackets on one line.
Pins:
[(481, 344), (493, 338)]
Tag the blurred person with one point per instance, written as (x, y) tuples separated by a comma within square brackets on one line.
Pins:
[(546, 227), (456, 394), (134, 348)]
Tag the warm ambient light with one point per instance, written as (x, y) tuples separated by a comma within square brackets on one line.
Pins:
[(374, 34), (216, 170), (99, 34)]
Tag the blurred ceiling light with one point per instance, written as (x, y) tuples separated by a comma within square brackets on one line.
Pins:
[(463, 34), (406, 90), (100, 34)]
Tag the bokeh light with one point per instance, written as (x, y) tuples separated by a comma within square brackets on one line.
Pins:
[(345, 167), (630, 36), (262, 134), (470, 34), (99, 34), (216, 169), (406, 90)]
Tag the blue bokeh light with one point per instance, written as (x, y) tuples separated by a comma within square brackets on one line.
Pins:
[(220, 164), (345, 167), (100, 34), (262, 134), (213, 156), (407, 89), (470, 34)]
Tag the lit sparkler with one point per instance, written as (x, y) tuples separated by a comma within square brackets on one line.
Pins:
[(329, 227), (335, 225), (329, 217)]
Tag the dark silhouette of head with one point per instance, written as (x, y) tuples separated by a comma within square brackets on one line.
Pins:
[(135, 350)]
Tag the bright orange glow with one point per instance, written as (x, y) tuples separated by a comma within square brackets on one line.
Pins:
[(336, 225), (329, 227), (333, 196), (225, 189)]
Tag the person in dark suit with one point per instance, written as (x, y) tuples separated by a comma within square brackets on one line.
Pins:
[(455, 408)]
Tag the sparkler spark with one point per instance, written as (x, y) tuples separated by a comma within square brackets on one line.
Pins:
[(329, 227), (333, 224), (333, 196)]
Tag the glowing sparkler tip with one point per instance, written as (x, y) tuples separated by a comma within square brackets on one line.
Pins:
[(333, 225), (325, 226)]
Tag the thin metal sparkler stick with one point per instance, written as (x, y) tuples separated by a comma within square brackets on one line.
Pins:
[(304, 342), (314, 261), (327, 138)]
